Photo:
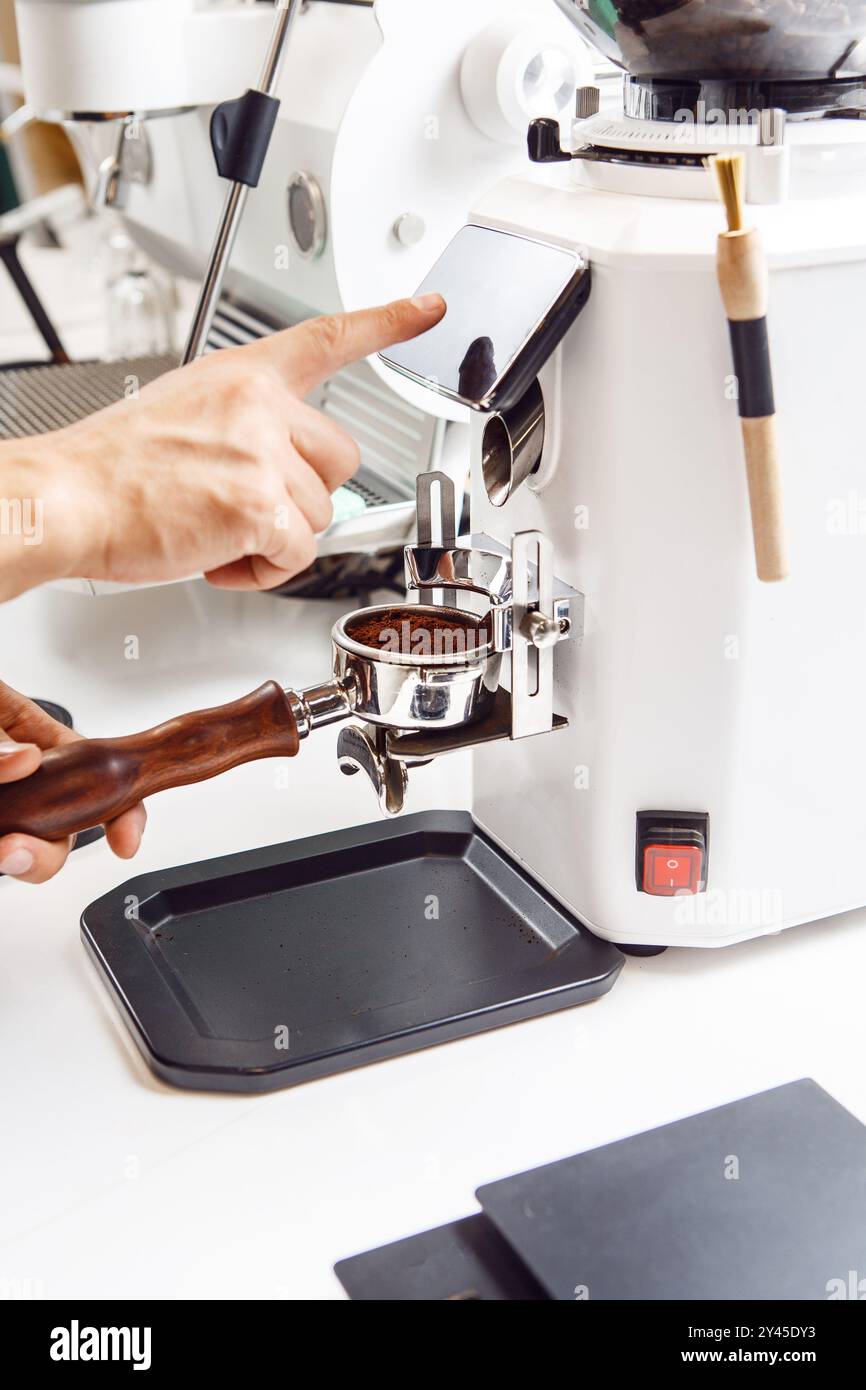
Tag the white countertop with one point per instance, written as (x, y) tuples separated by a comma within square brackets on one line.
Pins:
[(115, 1185)]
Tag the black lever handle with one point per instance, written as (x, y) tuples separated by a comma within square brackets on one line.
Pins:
[(544, 142)]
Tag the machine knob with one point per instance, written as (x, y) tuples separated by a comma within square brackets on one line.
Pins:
[(587, 103), (519, 66), (544, 142), (409, 229), (543, 632)]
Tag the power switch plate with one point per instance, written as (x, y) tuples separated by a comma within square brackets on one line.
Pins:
[(671, 852)]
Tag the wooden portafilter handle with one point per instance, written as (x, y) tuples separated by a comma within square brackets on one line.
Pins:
[(87, 783), (742, 272)]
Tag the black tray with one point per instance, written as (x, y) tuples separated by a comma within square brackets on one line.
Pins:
[(263, 969)]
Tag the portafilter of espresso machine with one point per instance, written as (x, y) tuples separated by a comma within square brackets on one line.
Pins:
[(424, 677)]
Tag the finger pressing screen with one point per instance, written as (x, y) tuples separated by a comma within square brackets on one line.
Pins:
[(308, 354)]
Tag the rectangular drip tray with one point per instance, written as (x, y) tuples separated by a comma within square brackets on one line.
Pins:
[(264, 969)]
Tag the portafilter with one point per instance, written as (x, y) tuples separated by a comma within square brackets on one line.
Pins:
[(405, 667)]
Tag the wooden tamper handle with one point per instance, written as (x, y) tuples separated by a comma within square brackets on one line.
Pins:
[(85, 784)]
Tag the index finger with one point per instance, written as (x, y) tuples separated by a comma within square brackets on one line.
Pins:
[(311, 352)]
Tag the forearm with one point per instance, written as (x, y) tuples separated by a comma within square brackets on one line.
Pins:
[(40, 526)]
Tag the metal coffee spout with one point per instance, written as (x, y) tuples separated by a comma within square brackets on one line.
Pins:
[(364, 748), (512, 445)]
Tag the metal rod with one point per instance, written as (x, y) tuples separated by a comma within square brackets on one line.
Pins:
[(211, 288), (236, 200), (317, 706), (286, 11), (27, 291)]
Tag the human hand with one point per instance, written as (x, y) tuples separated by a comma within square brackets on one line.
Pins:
[(26, 732), (220, 467)]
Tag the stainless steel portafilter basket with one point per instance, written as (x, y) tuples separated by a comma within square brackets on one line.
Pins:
[(410, 679)]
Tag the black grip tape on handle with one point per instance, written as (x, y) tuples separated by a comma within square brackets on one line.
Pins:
[(751, 349)]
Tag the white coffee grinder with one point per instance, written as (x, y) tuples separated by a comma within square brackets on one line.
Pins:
[(687, 768), (709, 786)]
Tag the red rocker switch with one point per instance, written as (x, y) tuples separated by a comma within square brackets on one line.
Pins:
[(671, 853)]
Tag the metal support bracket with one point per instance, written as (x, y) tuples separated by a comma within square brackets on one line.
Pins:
[(386, 755), (436, 489), (529, 610), (535, 632)]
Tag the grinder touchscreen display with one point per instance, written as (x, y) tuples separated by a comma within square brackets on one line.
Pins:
[(499, 289)]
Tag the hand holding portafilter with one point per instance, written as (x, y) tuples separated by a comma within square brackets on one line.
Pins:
[(742, 273), (396, 683), (28, 731)]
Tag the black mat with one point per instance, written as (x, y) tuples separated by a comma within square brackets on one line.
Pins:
[(761, 1199), (466, 1261), (280, 965)]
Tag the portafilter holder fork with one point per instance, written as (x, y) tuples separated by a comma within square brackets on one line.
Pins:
[(526, 613)]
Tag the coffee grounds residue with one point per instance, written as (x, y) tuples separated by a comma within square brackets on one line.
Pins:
[(411, 629)]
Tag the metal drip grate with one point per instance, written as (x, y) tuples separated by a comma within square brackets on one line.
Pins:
[(36, 400)]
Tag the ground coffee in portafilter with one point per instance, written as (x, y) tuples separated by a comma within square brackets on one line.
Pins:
[(419, 631)]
